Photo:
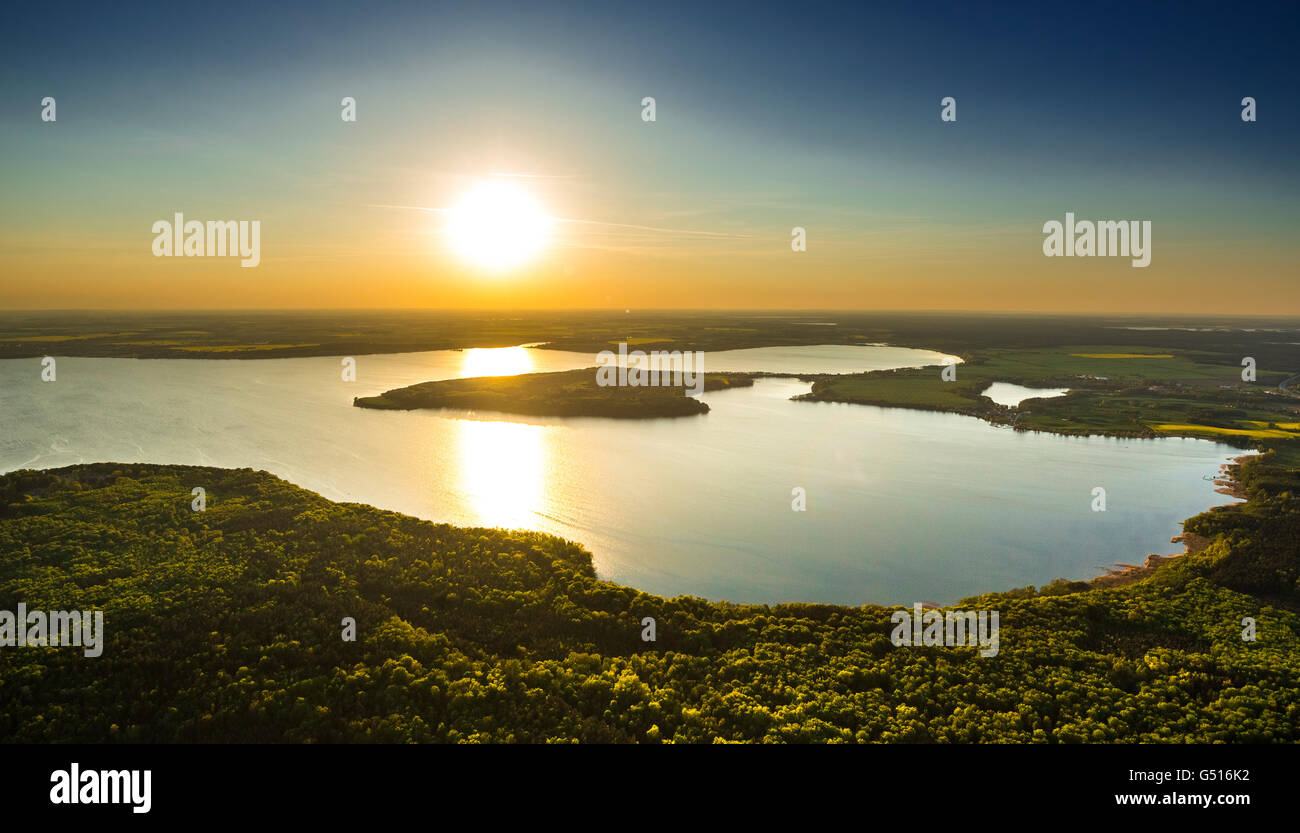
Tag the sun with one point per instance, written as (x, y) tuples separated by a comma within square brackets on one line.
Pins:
[(497, 226)]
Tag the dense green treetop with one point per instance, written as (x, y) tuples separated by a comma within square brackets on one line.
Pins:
[(225, 625)]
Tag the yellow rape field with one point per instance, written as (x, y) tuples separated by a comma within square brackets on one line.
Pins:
[(1255, 433)]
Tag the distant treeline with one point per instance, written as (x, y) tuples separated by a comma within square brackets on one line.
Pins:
[(278, 334)]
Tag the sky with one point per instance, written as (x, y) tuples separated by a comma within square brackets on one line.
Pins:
[(767, 117)]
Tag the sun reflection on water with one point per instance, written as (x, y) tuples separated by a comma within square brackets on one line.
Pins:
[(496, 361), (502, 468)]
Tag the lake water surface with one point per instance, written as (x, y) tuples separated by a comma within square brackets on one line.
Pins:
[(1005, 393), (901, 505)]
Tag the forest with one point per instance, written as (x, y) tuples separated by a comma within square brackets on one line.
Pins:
[(226, 625), (562, 393)]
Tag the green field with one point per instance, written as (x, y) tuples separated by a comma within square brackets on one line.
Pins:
[(350, 333), (1189, 393)]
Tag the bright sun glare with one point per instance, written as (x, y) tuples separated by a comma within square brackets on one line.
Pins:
[(497, 226)]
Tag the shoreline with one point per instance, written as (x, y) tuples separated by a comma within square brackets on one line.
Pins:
[(1118, 574), (1121, 573)]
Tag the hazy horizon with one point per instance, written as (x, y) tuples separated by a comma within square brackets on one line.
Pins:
[(1094, 315)]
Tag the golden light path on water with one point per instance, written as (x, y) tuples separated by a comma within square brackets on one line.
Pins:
[(503, 465), (496, 361)]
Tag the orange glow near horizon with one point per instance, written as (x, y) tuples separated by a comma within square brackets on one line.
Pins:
[(533, 241)]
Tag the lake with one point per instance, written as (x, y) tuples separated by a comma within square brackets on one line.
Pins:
[(902, 505), (1005, 393)]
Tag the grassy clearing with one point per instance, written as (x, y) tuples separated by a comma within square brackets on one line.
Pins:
[(1117, 364)]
